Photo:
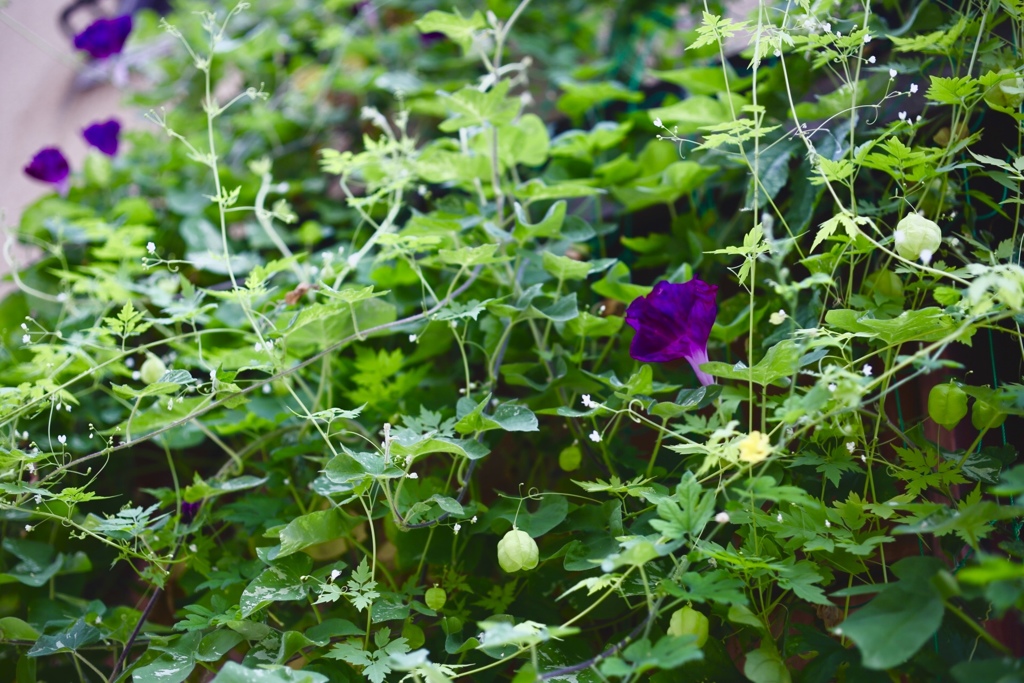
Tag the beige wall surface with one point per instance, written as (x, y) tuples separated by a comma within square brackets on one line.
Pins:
[(40, 105)]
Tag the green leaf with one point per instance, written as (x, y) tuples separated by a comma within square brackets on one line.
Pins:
[(615, 285), (923, 324), (578, 98), (232, 672), (890, 629), (549, 226), (565, 268), (781, 361), (281, 582), (765, 665), (13, 628), (79, 634), (199, 489), (311, 529), (457, 27), (175, 664), (685, 513), (692, 114), (470, 107)]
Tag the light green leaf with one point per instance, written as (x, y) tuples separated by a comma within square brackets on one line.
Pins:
[(565, 268), (455, 26)]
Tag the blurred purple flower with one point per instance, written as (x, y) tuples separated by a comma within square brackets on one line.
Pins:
[(104, 136), (49, 166), (105, 37), (429, 39), (672, 322), (189, 511)]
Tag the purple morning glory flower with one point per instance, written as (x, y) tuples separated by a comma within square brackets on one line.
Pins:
[(105, 37), (49, 166), (673, 322), (189, 511), (428, 39), (104, 136)]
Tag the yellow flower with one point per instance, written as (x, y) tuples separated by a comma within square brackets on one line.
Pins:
[(755, 447)]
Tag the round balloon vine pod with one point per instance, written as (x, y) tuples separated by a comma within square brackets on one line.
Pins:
[(436, 597), (1008, 93), (152, 370), (917, 237), (689, 622), (947, 405), (570, 457), (986, 416), (517, 551)]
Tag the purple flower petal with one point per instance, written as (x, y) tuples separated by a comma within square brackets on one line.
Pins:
[(49, 166), (105, 37), (672, 322), (104, 136), (189, 511), (430, 38)]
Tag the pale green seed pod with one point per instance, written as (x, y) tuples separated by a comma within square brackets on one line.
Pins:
[(436, 597), (917, 237), (517, 551), (1008, 93), (689, 622), (152, 370)]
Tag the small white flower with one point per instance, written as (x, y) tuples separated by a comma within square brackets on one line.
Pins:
[(828, 524), (456, 528), (28, 527), (867, 370), (587, 403), (850, 445), (193, 547), (170, 404), (595, 437), (867, 37), (892, 74), (266, 388), (871, 59), (129, 362), (24, 327), (926, 256), (903, 116), (25, 339), (863, 457), (832, 387), (412, 338), (38, 499), (778, 517), (827, 26), (413, 475), (136, 375), (62, 439), (24, 435), (722, 517), (657, 123), (31, 467), (258, 346), (151, 248), (913, 88), (335, 573), (67, 407), (473, 521)]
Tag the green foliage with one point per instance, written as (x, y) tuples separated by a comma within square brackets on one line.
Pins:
[(300, 374)]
